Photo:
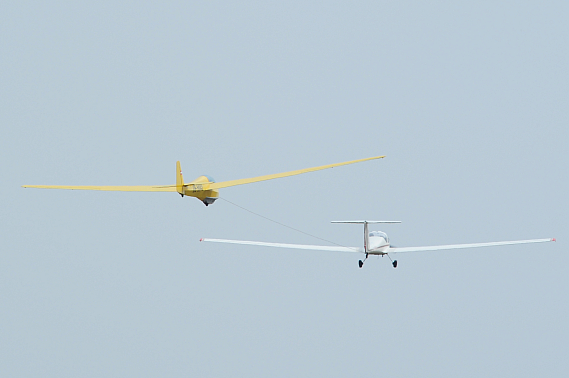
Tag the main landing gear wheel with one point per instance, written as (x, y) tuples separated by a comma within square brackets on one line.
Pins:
[(394, 263), (362, 262)]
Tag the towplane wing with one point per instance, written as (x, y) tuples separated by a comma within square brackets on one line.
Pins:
[(377, 243), (292, 246), (461, 246), (390, 250)]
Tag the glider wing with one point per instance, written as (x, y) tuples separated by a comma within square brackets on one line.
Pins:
[(163, 188), (225, 184)]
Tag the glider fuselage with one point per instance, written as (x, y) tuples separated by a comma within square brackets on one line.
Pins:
[(199, 188)]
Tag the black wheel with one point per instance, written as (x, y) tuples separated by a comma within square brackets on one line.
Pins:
[(395, 263), (361, 263)]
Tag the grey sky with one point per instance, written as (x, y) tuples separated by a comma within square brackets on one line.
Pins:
[(468, 101)]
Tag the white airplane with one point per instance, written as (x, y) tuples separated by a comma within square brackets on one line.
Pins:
[(376, 243)]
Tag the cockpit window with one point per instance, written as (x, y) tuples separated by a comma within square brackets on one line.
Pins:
[(379, 234)]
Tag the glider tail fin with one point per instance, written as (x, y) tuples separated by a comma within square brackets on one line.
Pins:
[(179, 179)]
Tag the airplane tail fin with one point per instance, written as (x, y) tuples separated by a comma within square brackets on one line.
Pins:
[(179, 179)]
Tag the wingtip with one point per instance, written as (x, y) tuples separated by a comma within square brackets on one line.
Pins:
[(201, 239), (553, 239)]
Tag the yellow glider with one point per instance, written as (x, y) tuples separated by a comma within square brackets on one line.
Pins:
[(204, 188)]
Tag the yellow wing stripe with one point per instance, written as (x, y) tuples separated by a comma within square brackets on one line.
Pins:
[(166, 188), (225, 184)]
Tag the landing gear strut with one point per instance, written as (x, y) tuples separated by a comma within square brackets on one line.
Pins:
[(362, 262), (393, 262)]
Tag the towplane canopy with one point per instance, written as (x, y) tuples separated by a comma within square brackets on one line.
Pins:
[(204, 187)]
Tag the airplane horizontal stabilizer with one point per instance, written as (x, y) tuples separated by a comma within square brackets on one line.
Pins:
[(362, 222)]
